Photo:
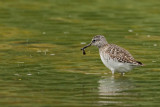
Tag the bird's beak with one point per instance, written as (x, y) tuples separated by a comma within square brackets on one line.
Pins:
[(83, 49), (87, 46)]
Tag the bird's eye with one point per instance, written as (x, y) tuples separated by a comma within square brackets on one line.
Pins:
[(93, 40)]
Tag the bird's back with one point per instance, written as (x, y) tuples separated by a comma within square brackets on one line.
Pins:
[(120, 54), (117, 58)]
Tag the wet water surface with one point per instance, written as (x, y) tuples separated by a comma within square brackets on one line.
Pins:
[(41, 64)]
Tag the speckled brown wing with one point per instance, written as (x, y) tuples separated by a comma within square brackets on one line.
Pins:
[(120, 54)]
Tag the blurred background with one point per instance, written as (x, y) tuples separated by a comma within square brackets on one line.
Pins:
[(41, 64)]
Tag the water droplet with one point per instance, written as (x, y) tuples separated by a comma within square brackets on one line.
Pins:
[(148, 36), (130, 30), (83, 42), (154, 44), (43, 33), (66, 32), (16, 74)]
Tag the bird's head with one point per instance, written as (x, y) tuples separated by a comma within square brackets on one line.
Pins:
[(98, 40)]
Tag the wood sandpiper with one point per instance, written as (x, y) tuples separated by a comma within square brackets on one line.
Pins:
[(116, 58)]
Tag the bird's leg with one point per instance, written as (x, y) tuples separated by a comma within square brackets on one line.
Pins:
[(112, 72), (122, 73)]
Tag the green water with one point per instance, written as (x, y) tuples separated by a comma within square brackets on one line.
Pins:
[(41, 64)]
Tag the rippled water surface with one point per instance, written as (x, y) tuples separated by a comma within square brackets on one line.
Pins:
[(41, 64)]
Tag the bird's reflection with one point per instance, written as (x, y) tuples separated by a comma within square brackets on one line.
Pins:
[(113, 88)]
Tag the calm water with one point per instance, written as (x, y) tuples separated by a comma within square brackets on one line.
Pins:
[(41, 64)]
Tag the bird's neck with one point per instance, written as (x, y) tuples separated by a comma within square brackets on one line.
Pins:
[(102, 45)]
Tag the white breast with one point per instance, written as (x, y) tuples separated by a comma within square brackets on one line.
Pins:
[(113, 64)]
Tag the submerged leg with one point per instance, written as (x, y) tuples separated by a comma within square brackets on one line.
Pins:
[(112, 72), (122, 73)]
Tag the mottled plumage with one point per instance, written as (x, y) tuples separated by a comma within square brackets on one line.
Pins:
[(118, 53), (117, 59)]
